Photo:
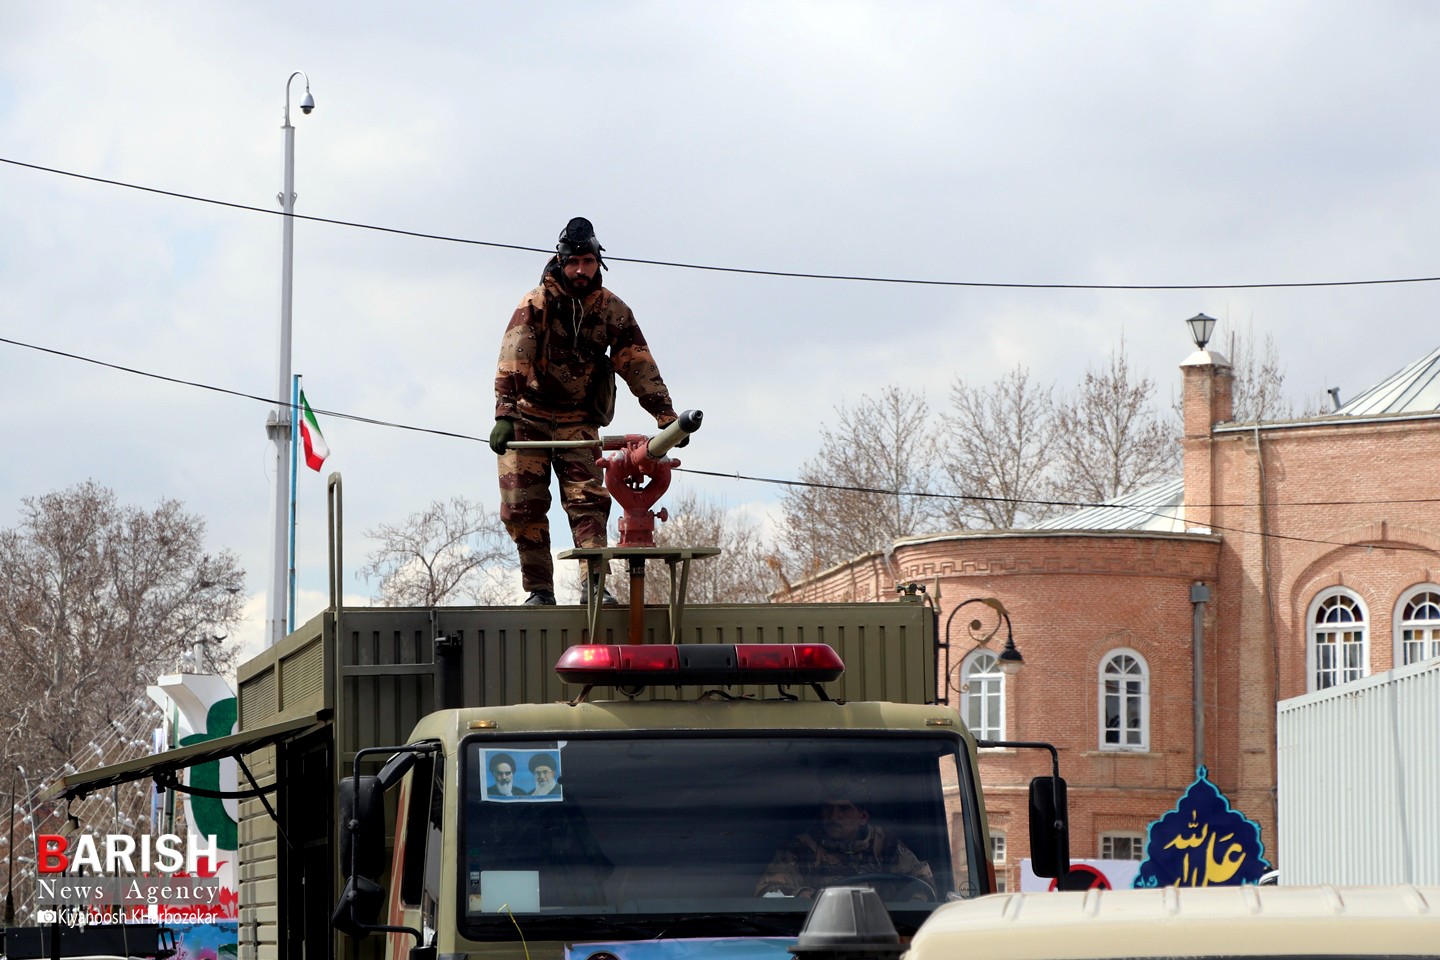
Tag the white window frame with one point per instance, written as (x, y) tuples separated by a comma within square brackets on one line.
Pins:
[(1141, 743), (997, 848), (1429, 629), (990, 676), (1352, 657), (1136, 840)]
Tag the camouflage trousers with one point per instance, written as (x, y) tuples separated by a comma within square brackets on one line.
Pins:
[(525, 496)]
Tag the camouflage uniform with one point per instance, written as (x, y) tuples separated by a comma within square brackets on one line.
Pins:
[(547, 371), (809, 862)]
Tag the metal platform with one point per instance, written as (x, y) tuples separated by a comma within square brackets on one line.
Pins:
[(596, 561)]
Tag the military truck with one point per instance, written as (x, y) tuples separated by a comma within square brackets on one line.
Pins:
[(514, 781)]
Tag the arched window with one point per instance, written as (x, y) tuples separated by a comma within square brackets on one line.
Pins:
[(1339, 645), (1417, 624), (982, 695), (1124, 702)]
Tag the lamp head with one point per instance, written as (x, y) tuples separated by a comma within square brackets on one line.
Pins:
[(1201, 327), (1010, 660)]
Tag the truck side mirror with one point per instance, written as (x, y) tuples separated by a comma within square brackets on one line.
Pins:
[(362, 818), (362, 843), (362, 827), (359, 907), (1049, 827)]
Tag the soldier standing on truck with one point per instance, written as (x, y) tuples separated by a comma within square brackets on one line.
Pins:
[(556, 381)]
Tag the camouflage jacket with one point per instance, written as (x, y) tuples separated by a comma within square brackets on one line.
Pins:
[(552, 354), (805, 864)]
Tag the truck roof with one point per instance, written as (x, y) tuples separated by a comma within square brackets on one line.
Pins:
[(679, 715), (1239, 921)]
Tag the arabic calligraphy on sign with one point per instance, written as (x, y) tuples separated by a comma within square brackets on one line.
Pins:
[(1202, 842)]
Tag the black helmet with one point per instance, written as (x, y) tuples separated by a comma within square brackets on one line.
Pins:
[(577, 238)]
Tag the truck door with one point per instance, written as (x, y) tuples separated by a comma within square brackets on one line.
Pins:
[(306, 856), (420, 857)]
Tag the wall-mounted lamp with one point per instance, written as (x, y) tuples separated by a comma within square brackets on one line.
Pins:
[(1009, 657)]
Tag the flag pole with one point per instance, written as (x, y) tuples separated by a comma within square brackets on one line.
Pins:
[(294, 461)]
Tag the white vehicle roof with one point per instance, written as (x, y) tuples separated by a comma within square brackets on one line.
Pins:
[(1243, 921)]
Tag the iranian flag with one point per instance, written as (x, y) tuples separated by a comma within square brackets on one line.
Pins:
[(316, 449)]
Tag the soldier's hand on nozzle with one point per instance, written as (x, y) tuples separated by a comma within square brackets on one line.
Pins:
[(503, 433)]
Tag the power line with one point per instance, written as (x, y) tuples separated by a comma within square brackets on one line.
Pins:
[(749, 271), (236, 393), (843, 488), (1107, 506), (1076, 504)]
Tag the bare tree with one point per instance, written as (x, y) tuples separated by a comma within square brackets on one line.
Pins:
[(1258, 380), (96, 601), (870, 465), (451, 549), (1111, 439), (996, 452)]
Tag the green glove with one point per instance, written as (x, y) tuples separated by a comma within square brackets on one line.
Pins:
[(503, 433)]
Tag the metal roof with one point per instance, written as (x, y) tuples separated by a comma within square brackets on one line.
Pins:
[(1415, 389), (1160, 506)]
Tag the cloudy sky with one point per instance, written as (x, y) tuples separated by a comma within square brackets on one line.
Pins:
[(993, 143)]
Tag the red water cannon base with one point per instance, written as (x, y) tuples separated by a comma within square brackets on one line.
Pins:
[(636, 480), (637, 473)]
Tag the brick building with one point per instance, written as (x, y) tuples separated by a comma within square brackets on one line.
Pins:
[(1304, 553)]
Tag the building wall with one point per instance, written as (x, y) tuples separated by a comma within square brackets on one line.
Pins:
[(1340, 503), (1349, 504), (1073, 599), (1275, 514)]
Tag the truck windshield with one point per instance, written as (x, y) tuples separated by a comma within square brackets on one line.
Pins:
[(638, 837)]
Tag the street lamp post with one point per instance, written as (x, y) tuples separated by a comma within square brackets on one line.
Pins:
[(1009, 657), (278, 426)]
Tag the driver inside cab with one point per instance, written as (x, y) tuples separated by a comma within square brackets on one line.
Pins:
[(843, 845)]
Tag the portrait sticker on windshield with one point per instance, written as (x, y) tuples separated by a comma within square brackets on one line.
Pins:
[(523, 775)]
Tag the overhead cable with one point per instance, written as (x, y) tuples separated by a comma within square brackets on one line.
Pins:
[(845, 488), (750, 271)]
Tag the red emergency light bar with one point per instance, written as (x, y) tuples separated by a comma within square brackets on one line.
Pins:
[(725, 664)]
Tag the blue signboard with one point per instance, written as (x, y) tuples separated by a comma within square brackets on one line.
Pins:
[(1202, 842)]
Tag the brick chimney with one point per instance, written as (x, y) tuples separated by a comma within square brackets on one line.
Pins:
[(1208, 399)]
